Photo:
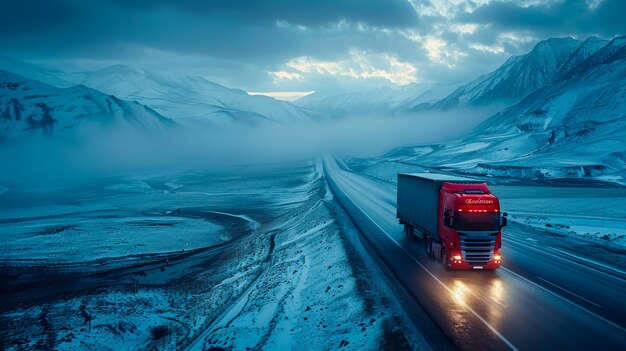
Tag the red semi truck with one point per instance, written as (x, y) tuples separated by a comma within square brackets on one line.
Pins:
[(458, 219)]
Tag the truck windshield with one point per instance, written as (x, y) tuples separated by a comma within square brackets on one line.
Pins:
[(477, 221)]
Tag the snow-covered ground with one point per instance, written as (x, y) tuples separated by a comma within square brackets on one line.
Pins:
[(103, 234), (594, 214), (281, 273), (610, 229), (69, 223)]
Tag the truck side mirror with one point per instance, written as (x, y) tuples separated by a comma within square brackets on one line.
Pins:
[(503, 220)]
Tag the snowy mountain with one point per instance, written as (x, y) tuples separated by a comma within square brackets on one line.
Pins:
[(192, 98), (583, 52), (196, 99), (517, 77), (573, 127), (42, 73), (29, 107), (380, 101)]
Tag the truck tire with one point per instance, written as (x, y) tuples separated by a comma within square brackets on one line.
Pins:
[(409, 232), (444, 260), (428, 246)]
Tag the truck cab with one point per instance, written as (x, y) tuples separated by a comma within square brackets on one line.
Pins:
[(458, 219), (470, 225)]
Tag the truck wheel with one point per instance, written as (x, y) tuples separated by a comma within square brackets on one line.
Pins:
[(444, 260), (408, 232), (428, 246)]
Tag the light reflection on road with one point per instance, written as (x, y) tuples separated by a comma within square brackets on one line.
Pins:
[(459, 291), (491, 291)]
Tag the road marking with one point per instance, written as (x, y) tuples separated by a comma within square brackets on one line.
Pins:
[(563, 258), (491, 327), (563, 298), (531, 239), (562, 288)]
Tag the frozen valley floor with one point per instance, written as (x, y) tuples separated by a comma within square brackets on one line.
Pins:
[(254, 261)]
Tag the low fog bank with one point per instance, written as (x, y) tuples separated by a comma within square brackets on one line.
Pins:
[(112, 152)]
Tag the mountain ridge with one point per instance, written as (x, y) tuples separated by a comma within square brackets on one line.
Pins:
[(30, 107)]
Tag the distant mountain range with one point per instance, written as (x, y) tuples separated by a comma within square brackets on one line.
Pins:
[(382, 101), (191, 98), (187, 99), (572, 126), (565, 114), (516, 78), (551, 60), (29, 107)]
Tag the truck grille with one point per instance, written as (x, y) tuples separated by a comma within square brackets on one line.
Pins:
[(477, 247)]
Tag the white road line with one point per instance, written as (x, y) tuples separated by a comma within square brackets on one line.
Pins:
[(491, 327), (562, 258), (567, 291), (563, 298)]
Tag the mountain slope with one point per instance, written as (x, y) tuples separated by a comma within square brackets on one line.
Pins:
[(573, 127), (190, 97), (516, 78), (582, 53), (29, 107), (380, 101), (42, 73)]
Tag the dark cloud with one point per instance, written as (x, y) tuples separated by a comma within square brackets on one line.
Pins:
[(221, 29), (383, 13), (570, 17), (238, 42)]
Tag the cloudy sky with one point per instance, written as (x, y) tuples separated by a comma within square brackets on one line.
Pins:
[(295, 46)]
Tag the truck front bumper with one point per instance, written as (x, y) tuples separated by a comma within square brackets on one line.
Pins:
[(491, 265)]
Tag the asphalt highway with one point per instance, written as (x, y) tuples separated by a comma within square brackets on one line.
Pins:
[(540, 299)]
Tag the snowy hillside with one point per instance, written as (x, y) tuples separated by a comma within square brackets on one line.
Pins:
[(42, 73), (380, 101), (30, 107), (190, 97), (573, 127), (516, 78), (583, 52)]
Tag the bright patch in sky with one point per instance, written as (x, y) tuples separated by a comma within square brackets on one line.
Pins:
[(283, 95), (281, 75), (494, 49), (439, 52), (468, 28), (360, 65)]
